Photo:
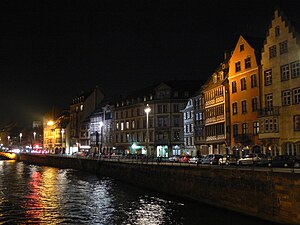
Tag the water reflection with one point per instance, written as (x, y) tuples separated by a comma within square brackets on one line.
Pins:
[(32, 194)]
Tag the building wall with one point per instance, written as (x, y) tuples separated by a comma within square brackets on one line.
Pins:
[(243, 51), (281, 121)]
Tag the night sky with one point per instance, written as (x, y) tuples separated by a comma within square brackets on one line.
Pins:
[(53, 50)]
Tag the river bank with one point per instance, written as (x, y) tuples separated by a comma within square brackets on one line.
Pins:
[(267, 195)]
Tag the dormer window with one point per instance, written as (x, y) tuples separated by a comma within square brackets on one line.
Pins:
[(242, 47), (277, 31)]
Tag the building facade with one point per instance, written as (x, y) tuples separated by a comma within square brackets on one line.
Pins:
[(280, 114), (164, 127), (244, 89), (81, 108), (214, 93)]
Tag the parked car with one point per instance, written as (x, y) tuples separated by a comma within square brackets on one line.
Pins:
[(195, 159), (184, 159), (174, 158), (284, 161), (228, 159), (211, 159), (253, 159)]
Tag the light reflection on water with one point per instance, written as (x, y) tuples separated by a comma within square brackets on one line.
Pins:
[(31, 194)]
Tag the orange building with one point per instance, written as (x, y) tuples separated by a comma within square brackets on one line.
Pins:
[(244, 92)]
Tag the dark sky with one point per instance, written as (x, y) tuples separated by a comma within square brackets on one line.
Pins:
[(52, 50)]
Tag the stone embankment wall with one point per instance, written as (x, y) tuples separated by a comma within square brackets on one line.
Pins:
[(267, 195)]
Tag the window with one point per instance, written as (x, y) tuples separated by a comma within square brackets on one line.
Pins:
[(242, 47), (285, 72), (254, 104), (296, 96), (272, 51), (286, 97), (175, 108), (255, 128), (295, 69), (297, 123), (268, 77), (271, 125), (234, 87), (245, 128), (127, 124), (253, 81), (247, 62), (235, 128), (283, 47), (277, 31), (243, 84), (244, 106), (269, 101), (122, 126), (237, 66), (234, 108)]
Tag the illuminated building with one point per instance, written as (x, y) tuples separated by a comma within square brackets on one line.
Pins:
[(165, 124), (214, 93), (280, 114), (81, 108), (54, 130), (243, 78)]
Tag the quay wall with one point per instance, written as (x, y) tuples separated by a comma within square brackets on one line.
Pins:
[(269, 195)]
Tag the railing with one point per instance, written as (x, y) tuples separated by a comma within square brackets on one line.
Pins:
[(274, 111), (164, 161)]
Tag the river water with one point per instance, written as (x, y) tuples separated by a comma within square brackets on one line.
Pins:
[(31, 194)]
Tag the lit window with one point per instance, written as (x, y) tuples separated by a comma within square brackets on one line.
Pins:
[(286, 97), (296, 96), (237, 66), (255, 128), (247, 62), (268, 77), (122, 126), (234, 108), (285, 72), (295, 69), (269, 101), (245, 128)]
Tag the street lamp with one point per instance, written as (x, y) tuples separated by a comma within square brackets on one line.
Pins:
[(147, 111), (8, 137), (20, 139), (62, 137), (101, 136), (34, 133)]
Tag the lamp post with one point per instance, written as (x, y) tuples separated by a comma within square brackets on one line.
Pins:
[(147, 111), (101, 136), (34, 133), (8, 137), (20, 139), (62, 138)]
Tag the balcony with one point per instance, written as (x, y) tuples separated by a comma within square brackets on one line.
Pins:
[(274, 111)]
